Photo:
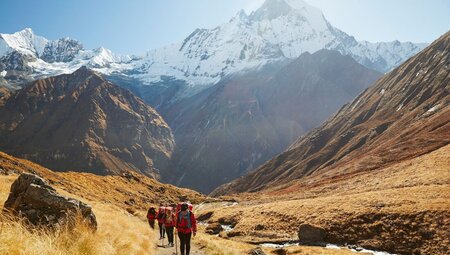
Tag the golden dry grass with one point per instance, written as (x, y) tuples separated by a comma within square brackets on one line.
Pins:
[(379, 206), (118, 233), (134, 191), (213, 245)]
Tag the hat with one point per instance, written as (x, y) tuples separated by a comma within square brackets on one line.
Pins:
[(184, 207)]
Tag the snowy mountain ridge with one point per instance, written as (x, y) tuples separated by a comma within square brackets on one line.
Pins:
[(278, 30)]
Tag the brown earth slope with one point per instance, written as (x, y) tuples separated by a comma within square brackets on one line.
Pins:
[(403, 208), (237, 125), (404, 115), (81, 122), (132, 191)]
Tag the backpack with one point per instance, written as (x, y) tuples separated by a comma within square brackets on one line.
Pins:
[(188, 216), (161, 213), (168, 216)]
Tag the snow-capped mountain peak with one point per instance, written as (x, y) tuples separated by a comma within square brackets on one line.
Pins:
[(279, 30), (241, 15), (24, 41)]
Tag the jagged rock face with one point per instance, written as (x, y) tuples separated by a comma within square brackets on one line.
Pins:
[(81, 122), (62, 50), (4, 95), (15, 61), (404, 115), (31, 197), (242, 122)]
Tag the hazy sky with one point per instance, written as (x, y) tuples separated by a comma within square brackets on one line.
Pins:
[(134, 26)]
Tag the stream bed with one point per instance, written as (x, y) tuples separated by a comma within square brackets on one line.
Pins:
[(352, 248)]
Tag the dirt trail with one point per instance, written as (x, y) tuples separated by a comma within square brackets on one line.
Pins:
[(171, 250)]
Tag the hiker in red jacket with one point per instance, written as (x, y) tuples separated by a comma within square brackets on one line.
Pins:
[(186, 226), (151, 216), (169, 224), (160, 218)]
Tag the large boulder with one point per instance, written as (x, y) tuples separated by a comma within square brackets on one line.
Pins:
[(32, 198), (214, 229), (256, 251), (308, 233)]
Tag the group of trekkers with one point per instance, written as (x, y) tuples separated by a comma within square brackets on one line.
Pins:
[(179, 217)]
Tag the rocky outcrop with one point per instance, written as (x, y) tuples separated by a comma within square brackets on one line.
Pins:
[(32, 198), (308, 233), (214, 229), (81, 122), (256, 251), (61, 50)]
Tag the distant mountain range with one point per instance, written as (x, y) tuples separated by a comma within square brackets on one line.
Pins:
[(234, 96), (278, 30), (404, 115)]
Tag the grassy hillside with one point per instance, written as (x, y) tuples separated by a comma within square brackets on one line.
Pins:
[(118, 233), (122, 228), (403, 208)]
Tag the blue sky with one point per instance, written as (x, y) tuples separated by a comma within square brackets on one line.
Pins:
[(134, 26)]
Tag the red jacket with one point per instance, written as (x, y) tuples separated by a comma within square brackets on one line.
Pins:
[(151, 216), (184, 222), (160, 215), (170, 221)]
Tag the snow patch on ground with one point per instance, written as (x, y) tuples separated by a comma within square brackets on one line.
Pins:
[(434, 108), (227, 228), (2, 73)]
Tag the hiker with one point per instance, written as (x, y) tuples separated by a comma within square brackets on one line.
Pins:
[(151, 216), (186, 226), (169, 224), (160, 219)]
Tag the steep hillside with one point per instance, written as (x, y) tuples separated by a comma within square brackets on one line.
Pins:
[(245, 120), (404, 115), (128, 191), (81, 122)]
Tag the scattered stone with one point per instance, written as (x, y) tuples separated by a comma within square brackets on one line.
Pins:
[(234, 233), (214, 229), (32, 198), (256, 251), (280, 251), (205, 216), (231, 221), (308, 233), (259, 227)]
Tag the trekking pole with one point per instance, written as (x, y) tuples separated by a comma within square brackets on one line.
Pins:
[(176, 243)]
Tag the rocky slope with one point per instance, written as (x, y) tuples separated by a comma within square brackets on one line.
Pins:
[(81, 122), (404, 115), (245, 120)]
